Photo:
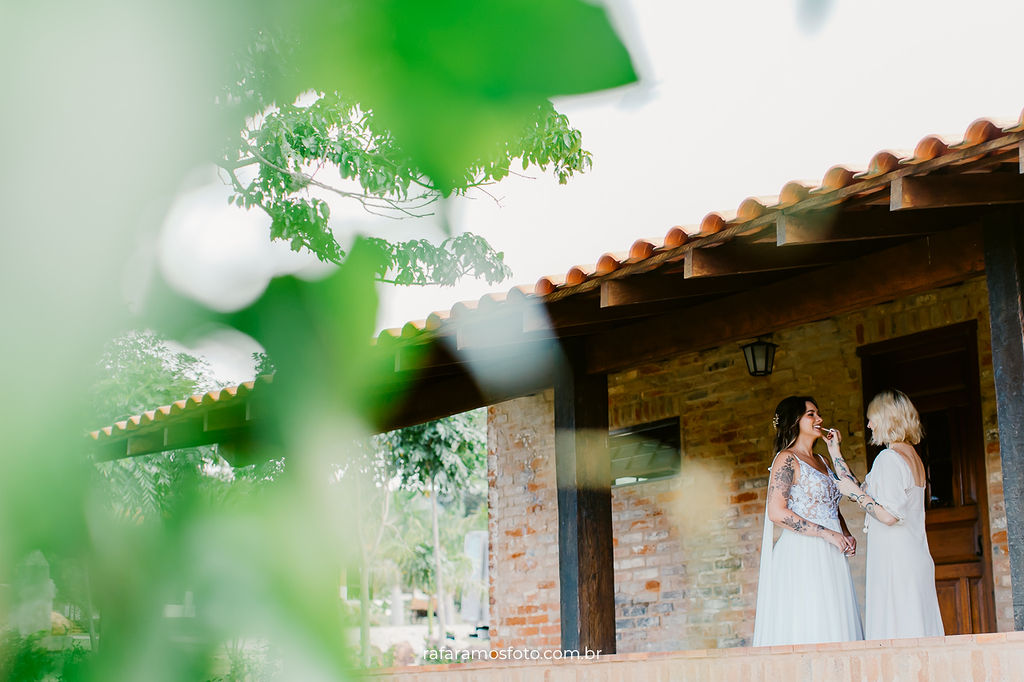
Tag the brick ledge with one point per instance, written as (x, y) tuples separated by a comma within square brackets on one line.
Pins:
[(948, 642)]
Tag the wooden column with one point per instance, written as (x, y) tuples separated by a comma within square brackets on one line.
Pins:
[(1004, 269), (583, 472)]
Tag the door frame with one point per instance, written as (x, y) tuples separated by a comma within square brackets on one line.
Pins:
[(966, 334)]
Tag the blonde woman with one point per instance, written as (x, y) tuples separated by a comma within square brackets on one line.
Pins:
[(900, 599)]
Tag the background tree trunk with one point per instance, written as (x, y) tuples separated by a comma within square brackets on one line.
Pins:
[(364, 611), (442, 619), (90, 615), (364, 585)]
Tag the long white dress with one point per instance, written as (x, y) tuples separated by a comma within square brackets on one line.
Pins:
[(900, 599), (805, 592)]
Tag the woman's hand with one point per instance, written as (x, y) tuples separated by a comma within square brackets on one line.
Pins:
[(833, 439), (837, 540), (849, 488), (851, 545)]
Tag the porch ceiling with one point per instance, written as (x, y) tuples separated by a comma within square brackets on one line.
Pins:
[(854, 239)]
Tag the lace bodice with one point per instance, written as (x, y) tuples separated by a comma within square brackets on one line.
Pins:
[(815, 496)]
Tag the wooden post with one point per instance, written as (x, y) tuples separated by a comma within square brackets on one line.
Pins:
[(1004, 269), (583, 474)]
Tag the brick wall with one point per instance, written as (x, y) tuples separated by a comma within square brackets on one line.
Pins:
[(687, 548), (523, 523)]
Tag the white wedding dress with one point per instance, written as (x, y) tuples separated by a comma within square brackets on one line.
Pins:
[(900, 599), (805, 592)]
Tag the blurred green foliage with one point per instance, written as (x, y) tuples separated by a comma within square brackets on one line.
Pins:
[(451, 80), (138, 372), (26, 659), (119, 99)]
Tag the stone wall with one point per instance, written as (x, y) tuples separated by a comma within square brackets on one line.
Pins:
[(687, 548)]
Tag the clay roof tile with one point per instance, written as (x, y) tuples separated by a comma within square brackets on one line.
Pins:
[(412, 328), (641, 249), (836, 177), (436, 319), (981, 130), (676, 236), (519, 293), (749, 209), (929, 147), (577, 274), (711, 224), (883, 162), (545, 285), (607, 263), (794, 192)]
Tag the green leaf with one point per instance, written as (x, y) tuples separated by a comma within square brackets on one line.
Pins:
[(451, 78)]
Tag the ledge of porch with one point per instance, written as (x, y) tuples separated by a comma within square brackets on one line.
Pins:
[(996, 656)]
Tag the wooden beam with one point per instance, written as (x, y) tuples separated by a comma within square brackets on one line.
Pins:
[(429, 400), (967, 189), (1004, 271), (823, 227), (489, 376), (203, 425), (935, 261), (172, 437), (583, 474), (584, 315), (738, 258), (657, 287), (498, 328), (424, 356)]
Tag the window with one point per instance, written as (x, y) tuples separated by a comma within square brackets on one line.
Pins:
[(645, 452)]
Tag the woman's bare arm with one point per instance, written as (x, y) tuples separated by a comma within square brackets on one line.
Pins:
[(851, 487), (869, 504), (842, 524)]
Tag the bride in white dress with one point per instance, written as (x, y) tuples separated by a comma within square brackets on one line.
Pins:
[(900, 598), (805, 591)]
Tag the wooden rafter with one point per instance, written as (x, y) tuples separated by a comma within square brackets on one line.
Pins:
[(741, 258), (823, 227), (968, 189), (919, 265), (216, 424), (656, 288)]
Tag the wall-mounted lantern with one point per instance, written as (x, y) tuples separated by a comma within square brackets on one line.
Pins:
[(760, 356)]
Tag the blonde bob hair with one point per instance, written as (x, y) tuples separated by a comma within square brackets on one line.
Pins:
[(895, 419)]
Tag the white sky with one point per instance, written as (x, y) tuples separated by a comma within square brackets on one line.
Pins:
[(737, 99)]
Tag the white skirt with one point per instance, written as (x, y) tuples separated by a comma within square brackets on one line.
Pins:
[(806, 594)]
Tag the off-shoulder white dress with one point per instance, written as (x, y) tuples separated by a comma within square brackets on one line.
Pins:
[(805, 592), (900, 599)]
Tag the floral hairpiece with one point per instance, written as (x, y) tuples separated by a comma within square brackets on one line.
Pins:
[(775, 420)]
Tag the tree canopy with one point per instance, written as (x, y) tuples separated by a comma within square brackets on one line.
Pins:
[(290, 155), (443, 452)]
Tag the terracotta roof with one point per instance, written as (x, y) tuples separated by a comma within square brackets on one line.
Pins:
[(177, 410), (839, 184), (985, 144)]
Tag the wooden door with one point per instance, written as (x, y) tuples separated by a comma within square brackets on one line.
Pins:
[(939, 371)]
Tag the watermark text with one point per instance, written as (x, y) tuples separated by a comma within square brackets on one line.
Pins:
[(507, 654)]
